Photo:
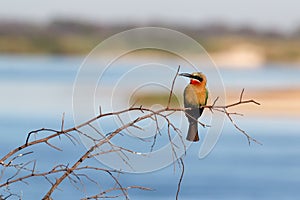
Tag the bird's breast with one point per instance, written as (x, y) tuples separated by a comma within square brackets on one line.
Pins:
[(194, 95)]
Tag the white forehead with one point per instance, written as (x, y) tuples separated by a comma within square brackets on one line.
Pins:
[(197, 74)]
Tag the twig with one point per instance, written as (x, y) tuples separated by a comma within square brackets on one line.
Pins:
[(62, 172), (172, 87), (62, 122), (181, 177)]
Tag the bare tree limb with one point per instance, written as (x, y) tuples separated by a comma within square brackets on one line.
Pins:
[(75, 171), (172, 87), (181, 177)]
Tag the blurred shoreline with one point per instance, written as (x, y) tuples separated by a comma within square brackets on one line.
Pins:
[(273, 103), (228, 46), (283, 102)]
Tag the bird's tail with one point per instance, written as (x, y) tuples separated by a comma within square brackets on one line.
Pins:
[(193, 132)]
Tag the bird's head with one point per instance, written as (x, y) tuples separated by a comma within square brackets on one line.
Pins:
[(196, 78)]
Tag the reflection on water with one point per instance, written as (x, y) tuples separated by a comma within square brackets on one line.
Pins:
[(36, 90)]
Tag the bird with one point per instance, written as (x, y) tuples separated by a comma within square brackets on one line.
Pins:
[(195, 96)]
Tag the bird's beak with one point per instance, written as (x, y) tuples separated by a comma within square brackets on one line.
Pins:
[(186, 75)]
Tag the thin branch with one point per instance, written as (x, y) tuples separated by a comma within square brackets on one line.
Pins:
[(172, 87), (62, 122), (53, 146), (71, 172), (181, 177)]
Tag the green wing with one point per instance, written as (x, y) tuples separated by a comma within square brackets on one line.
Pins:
[(206, 91)]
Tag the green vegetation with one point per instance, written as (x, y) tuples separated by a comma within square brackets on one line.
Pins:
[(274, 49), (69, 37), (149, 99)]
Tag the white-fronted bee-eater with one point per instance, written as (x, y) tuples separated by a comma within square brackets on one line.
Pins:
[(195, 96)]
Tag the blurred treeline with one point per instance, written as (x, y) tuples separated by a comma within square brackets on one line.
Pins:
[(79, 37)]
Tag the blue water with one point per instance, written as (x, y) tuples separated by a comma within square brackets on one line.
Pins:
[(35, 91), (64, 69), (233, 170)]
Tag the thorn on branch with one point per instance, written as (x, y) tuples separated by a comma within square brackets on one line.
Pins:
[(141, 109)]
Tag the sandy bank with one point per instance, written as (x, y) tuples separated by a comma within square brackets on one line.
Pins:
[(281, 103)]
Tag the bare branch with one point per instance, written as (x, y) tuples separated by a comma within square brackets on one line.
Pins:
[(224, 110), (181, 177), (76, 171), (172, 87), (62, 122)]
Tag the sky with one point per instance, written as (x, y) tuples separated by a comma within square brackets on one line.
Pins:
[(281, 15)]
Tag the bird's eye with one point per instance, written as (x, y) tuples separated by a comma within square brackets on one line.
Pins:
[(200, 79), (197, 78)]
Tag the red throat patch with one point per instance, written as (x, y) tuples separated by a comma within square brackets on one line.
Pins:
[(194, 82)]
